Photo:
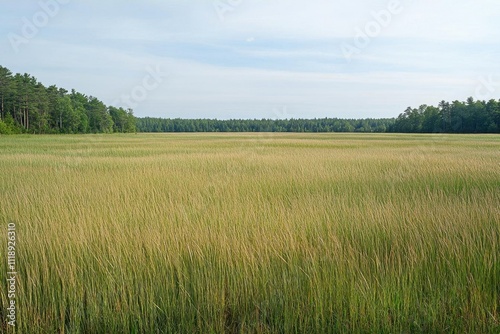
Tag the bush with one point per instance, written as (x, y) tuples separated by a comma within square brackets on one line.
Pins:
[(4, 129)]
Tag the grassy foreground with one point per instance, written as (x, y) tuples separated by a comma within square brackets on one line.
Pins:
[(253, 233)]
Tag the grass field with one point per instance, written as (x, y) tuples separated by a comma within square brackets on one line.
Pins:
[(253, 233)]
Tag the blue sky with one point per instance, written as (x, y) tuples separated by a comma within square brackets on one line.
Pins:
[(258, 58)]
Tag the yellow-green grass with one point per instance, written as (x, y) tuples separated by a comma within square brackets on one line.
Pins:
[(253, 233)]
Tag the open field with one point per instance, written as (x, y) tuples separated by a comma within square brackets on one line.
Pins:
[(253, 233)]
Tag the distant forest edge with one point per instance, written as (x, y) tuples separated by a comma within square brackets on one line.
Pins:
[(27, 106)]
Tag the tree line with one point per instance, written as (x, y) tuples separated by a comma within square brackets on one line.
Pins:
[(27, 106), (149, 124), (456, 117)]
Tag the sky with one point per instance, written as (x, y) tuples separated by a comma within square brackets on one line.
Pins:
[(258, 58)]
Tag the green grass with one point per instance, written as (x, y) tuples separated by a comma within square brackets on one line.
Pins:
[(253, 233)]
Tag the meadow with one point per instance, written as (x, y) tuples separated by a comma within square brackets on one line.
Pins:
[(253, 233)]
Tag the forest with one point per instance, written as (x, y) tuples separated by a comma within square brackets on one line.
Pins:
[(456, 117), (263, 125), (27, 106)]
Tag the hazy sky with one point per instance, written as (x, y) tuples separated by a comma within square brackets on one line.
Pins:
[(258, 58)]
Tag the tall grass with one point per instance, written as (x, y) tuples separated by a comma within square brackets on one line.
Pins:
[(253, 233)]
